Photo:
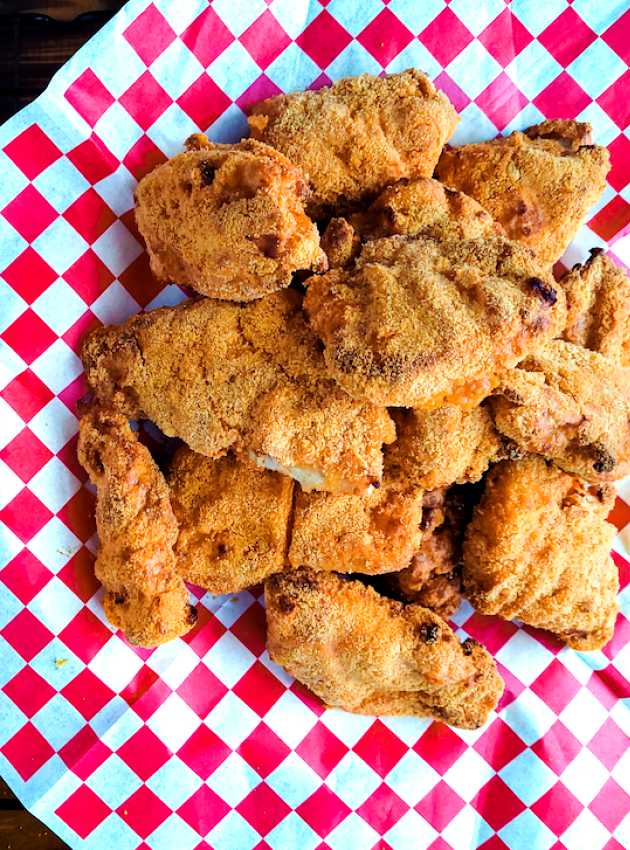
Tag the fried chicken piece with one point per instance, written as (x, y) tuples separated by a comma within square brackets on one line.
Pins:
[(570, 405), (233, 520), (538, 185), (375, 533), (598, 307), (364, 653), (538, 549), (421, 323), (250, 378), (340, 242), (359, 135), (227, 220), (444, 446), (144, 596)]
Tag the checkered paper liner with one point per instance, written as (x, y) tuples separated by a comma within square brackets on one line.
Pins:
[(205, 743)]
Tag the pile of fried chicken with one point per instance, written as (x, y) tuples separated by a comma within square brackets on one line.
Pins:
[(377, 420)]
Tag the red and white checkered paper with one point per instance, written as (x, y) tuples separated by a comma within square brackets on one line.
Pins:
[(205, 743)]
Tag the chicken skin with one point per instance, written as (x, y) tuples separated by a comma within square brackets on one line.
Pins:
[(227, 220), (538, 549)]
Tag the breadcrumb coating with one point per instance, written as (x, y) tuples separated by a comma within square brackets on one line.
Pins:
[(359, 135), (538, 549), (364, 653), (539, 184), (227, 220)]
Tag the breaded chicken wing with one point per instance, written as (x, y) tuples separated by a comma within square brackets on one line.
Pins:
[(570, 405), (538, 185), (598, 307), (233, 520), (364, 653), (538, 549), (422, 323), (137, 529), (227, 220), (250, 378), (357, 136)]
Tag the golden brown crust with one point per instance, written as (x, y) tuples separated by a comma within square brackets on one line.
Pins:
[(538, 549), (251, 378), (598, 307), (227, 220), (359, 135), (233, 521), (137, 529), (570, 405), (538, 184), (340, 242), (364, 653), (421, 323)]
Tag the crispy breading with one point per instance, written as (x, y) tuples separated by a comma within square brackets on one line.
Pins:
[(422, 323), (340, 242), (144, 596), (570, 405), (538, 549), (227, 220), (251, 378), (375, 533), (444, 446), (598, 307), (538, 185), (364, 653), (359, 135), (234, 520)]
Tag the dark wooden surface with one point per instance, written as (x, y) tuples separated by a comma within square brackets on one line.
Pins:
[(19, 830)]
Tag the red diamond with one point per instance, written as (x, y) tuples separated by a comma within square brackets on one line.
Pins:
[(557, 748), (619, 516), (149, 34), (25, 454), (201, 690), (206, 633), (78, 514), (87, 693), (323, 39), (25, 576), (445, 47), (556, 686), (204, 101), (25, 515), (145, 692), (440, 806), (385, 37), (495, 843), (440, 747), (492, 632), (143, 811), (617, 36), (203, 810), (499, 744), (457, 97), (323, 810), (322, 750), (259, 688), (505, 37), (566, 37), (250, 628), (139, 282), (611, 805), (144, 753), (29, 691), (145, 100), (68, 455), (611, 219), (380, 748), (497, 803), (616, 101), (85, 635), (27, 751), (89, 97), (29, 275), (308, 698), (260, 89), (320, 82), (263, 750), (76, 389), (563, 98), (143, 157), (75, 335), (265, 39), (207, 37), (29, 336), (611, 686), (32, 151), (29, 213), (83, 811), (501, 101), (84, 753), (203, 752), (558, 808), (621, 636), (26, 394), (93, 159), (90, 216), (263, 808), (382, 809)]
